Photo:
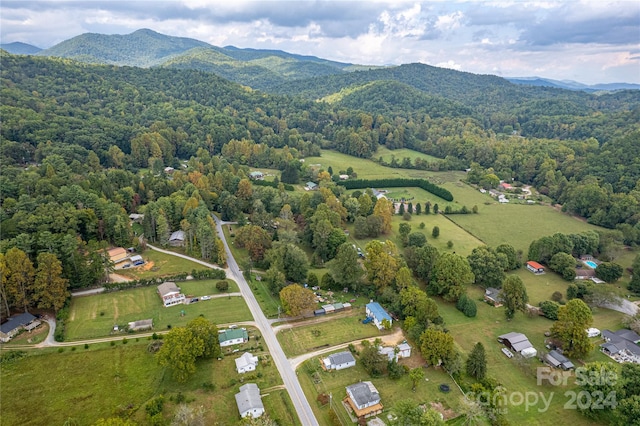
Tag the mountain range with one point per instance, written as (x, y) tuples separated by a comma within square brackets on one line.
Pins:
[(257, 68)]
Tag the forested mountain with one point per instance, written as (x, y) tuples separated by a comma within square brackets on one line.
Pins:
[(572, 85), (82, 146), (18, 48), (142, 48)]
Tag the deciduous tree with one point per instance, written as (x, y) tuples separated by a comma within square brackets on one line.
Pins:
[(436, 346), (574, 319), (297, 300), (381, 263), (20, 277), (514, 296), (50, 289), (451, 275)]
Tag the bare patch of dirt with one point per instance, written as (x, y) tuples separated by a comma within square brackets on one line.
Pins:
[(448, 413), (147, 266), (414, 361)]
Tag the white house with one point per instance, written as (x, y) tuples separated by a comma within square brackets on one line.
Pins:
[(377, 314), (170, 294), (249, 401), (339, 361), (403, 350), (364, 399), (233, 336), (246, 362)]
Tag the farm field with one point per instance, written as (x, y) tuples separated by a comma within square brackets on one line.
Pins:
[(300, 340), (94, 316), (489, 324), (315, 381), (158, 265), (401, 153), (123, 379)]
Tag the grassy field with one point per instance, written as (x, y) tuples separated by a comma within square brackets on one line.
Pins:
[(489, 324), (387, 154), (94, 316), (315, 381), (159, 264), (120, 380), (300, 340)]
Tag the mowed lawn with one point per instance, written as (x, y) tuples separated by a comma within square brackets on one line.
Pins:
[(491, 323), (159, 265), (315, 381), (120, 380), (94, 316), (299, 340)]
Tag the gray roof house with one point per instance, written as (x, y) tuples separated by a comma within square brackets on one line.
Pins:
[(364, 399), (176, 239), (339, 361), (621, 345), (249, 401), (16, 323), (492, 296)]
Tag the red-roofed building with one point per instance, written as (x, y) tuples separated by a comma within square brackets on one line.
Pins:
[(535, 267)]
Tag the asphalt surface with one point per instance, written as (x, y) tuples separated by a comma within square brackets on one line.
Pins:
[(284, 367)]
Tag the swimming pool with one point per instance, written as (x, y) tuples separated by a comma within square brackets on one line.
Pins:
[(590, 263)]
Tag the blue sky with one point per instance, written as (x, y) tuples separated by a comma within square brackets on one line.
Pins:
[(588, 41)]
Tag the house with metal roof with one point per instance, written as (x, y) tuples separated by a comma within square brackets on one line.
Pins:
[(249, 401), (176, 239), (492, 296), (256, 175), (16, 323), (141, 325), (377, 314), (339, 361), (364, 399), (246, 362), (233, 336), (535, 267)]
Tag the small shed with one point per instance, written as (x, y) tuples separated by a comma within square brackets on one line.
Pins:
[(141, 325), (535, 267)]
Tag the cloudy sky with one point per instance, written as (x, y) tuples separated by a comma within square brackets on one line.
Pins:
[(591, 41)]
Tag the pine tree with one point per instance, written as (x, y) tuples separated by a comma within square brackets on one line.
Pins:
[(477, 362)]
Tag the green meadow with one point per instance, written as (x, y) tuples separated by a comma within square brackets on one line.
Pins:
[(94, 316)]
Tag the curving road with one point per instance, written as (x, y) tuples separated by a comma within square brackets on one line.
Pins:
[(284, 367)]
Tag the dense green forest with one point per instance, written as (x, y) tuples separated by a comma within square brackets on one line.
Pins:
[(83, 146)]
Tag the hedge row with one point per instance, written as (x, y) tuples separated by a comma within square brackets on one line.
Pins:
[(216, 274), (397, 183)]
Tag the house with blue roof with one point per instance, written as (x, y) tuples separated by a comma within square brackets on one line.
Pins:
[(377, 314)]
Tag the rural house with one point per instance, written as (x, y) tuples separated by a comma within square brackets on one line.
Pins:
[(535, 267), (16, 323), (403, 350), (249, 401), (246, 362), (492, 297), (257, 175), (377, 314), (117, 255), (311, 186), (621, 345), (233, 336), (170, 294), (176, 239), (339, 361), (364, 399)]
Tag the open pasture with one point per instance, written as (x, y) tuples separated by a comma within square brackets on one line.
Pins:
[(94, 316)]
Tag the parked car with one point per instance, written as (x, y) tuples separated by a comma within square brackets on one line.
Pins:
[(205, 298), (194, 300)]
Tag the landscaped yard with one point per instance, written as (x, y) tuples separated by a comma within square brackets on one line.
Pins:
[(94, 316), (158, 265), (300, 340), (119, 380)]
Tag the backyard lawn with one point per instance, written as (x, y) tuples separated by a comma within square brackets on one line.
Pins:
[(94, 316)]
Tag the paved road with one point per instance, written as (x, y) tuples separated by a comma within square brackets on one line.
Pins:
[(287, 372)]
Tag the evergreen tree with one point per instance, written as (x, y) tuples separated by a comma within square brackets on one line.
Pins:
[(477, 362)]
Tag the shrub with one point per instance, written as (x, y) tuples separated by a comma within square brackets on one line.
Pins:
[(549, 309), (73, 348), (449, 244), (222, 286), (209, 386), (435, 232), (124, 341), (60, 350), (86, 346), (467, 306), (154, 406), (113, 343), (556, 296)]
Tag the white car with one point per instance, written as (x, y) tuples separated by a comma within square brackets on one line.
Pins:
[(205, 298)]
